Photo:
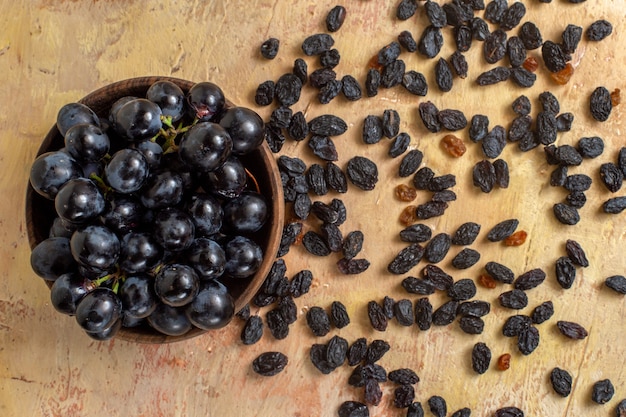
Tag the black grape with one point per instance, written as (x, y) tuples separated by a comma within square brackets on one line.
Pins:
[(51, 170), (212, 308)]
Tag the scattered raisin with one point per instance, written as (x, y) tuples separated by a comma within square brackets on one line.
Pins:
[(561, 381), (453, 145), (335, 18), (465, 258), (600, 104), (576, 253), (504, 361), (353, 409), (602, 391), (377, 316), (542, 312), (515, 299), (423, 313), (481, 358), (617, 283), (438, 406), (530, 279), (362, 172), (599, 30), (269, 363), (571, 329), (528, 340)]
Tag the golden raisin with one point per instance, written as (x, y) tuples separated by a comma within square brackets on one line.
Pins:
[(516, 239), (531, 64), (504, 361), (487, 281), (453, 145), (615, 97), (405, 193), (563, 76), (408, 215)]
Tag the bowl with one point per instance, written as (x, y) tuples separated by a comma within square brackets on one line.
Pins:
[(260, 164)]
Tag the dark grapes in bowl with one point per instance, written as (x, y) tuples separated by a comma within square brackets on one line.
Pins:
[(154, 210)]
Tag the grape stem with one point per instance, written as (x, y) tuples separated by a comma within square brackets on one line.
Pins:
[(171, 133)]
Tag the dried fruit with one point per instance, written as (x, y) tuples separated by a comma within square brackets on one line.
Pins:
[(410, 163), (602, 391), (318, 321), (446, 313), (465, 258), (481, 358), (528, 340), (423, 313), (453, 145), (509, 412), (576, 253), (353, 409), (617, 283), (571, 329), (504, 361), (502, 230), (514, 299), (403, 376), (599, 30), (362, 172), (561, 381), (335, 18), (530, 279), (600, 104), (317, 43), (406, 259), (542, 312), (269, 363), (438, 406), (377, 316)]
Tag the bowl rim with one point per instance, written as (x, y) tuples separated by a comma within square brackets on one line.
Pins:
[(98, 99)]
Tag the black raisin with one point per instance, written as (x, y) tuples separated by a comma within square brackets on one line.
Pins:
[(372, 82), (329, 91), (269, 48), (612, 176), (362, 172), (322, 76), (279, 328), (403, 311), (528, 340), (500, 272), (406, 40), (399, 145), (542, 312), (571, 329), (317, 43), (410, 163), (446, 313), (252, 330), (288, 89), (389, 53), (561, 381), (352, 266), (494, 47), (298, 128), (530, 35), (462, 290), (357, 351), (288, 309), (300, 70), (484, 176), (566, 214), (463, 37), (318, 357), (465, 258), (406, 9), (418, 286), (567, 155), (377, 316), (318, 321), (416, 233), (576, 199), (430, 42), (323, 147), (265, 93), (430, 116), (423, 313), (602, 391), (452, 119), (617, 283), (466, 234), (406, 259), (352, 244), (480, 29), (571, 37), (553, 55), (459, 64), (495, 10), (392, 74), (474, 308), (599, 30), (300, 283), (514, 325), (514, 299), (493, 76), (565, 272), (512, 16), (438, 277), (494, 142), (438, 406), (403, 396), (614, 205), (351, 88), (376, 350), (436, 15), (502, 230), (576, 253), (269, 363), (509, 411), (415, 83), (521, 106), (390, 123), (422, 178), (481, 358), (516, 51), (479, 127), (591, 147), (437, 248), (530, 279), (443, 75), (335, 18), (502, 173), (353, 409), (336, 351)]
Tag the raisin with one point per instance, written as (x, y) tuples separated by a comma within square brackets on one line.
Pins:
[(504, 361), (453, 146), (462, 290), (471, 324), (429, 114), (620, 411), (553, 55), (602, 391), (452, 119), (516, 51), (616, 98), (302, 205), (509, 412), (546, 127), (459, 64), (512, 16), (423, 313), (571, 329), (528, 340), (500, 272), (410, 163), (563, 76), (479, 127), (443, 75), (617, 283), (390, 123), (392, 74), (405, 193), (430, 42), (352, 244), (436, 15), (350, 87), (335, 18), (438, 277), (430, 209), (457, 13), (422, 178), (265, 93), (438, 406), (614, 205), (576, 253), (408, 216), (494, 47), (481, 358), (269, 48), (502, 230), (612, 176), (480, 29), (549, 102), (352, 266), (377, 316), (399, 145), (437, 248), (576, 199), (332, 235), (403, 396), (406, 259), (465, 258), (599, 30), (329, 91), (463, 412), (418, 286), (406, 40), (502, 173), (353, 409), (269, 363), (474, 308), (446, 313), (357, 351), (336, 178), (388, 307), (315, 244), (336, 351), (373, 392), (442, 182), (571, 37), (530, 279), (318, 321), (495, 10), (288, 89), (298, 128), (564, 122), (318, 357), (463, 38), (416, 233), (300, 70), (403, 311), (590, 147), (523, 77), (376, 350), (362, 172), (252, 330), (561, 381), (515, 299), (565, 272), (494, 142), (487, 281), (514, 325), (372, 82), (321, 77), (300, 283), (530, 36), (406, 9), (317, 43), (279, 328), (415, 83), (531, 64), (567, 155), (484, 175)]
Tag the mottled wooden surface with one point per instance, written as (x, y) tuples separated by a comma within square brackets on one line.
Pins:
[(53, 52)]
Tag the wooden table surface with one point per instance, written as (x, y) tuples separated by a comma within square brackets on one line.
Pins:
[(54, 52)]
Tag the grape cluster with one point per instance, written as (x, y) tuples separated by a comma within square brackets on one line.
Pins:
[(155, 211)]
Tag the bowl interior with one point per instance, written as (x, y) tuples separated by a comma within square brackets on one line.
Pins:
[(260, 163)]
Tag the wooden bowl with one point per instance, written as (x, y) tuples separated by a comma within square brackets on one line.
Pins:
[(260, 163)]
